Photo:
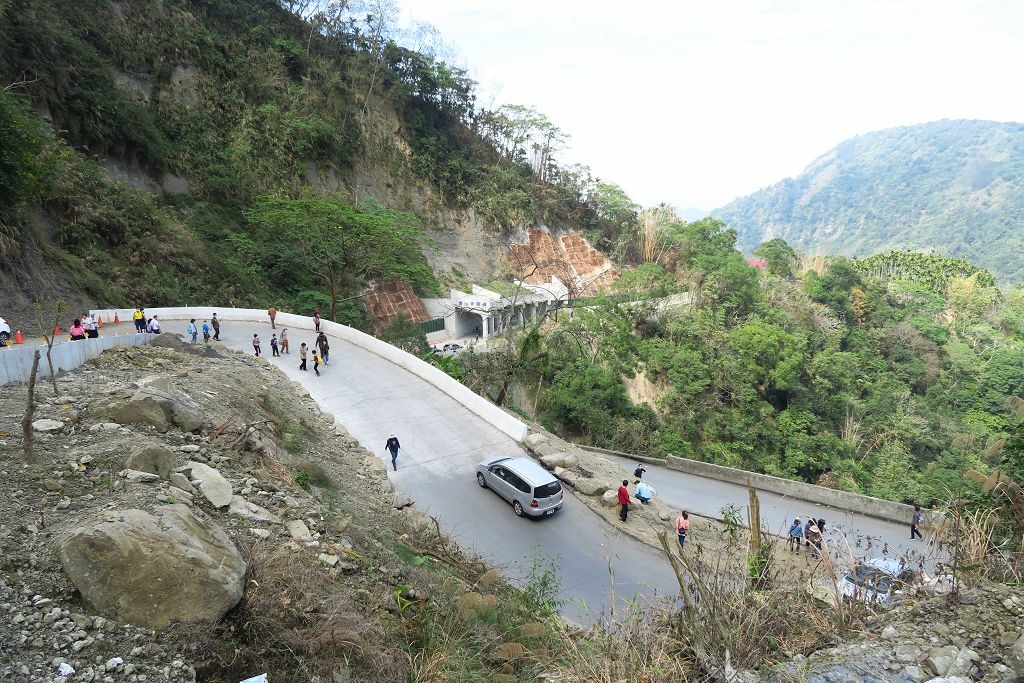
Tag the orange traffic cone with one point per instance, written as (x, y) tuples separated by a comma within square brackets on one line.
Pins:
[(116, 319), (17, 337), (99, 322), (56, 331)]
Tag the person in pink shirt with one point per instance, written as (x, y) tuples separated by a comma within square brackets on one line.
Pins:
[(682, 527), (77, 330)]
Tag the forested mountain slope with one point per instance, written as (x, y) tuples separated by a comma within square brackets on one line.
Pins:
[(138, 138), (955, 187)]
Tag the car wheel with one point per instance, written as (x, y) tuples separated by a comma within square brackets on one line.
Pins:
[(517, 508), (480, 480)]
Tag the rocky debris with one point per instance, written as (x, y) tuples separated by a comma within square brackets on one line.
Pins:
[(152, 457), (47, 425), (211, 483), (975, 638), (299, 531), (247, 510), (402, 501), (180, 481), (157, 404), (137, 477), (151, 568)]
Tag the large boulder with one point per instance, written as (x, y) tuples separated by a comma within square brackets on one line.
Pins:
[(589, 486), (152, 458), (158, 407), (211, 484), (150, 569), (533, 440)]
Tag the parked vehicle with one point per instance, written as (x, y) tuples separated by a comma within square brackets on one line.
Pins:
[(532, 490), (452, 346), (5, 333), (878, 580)]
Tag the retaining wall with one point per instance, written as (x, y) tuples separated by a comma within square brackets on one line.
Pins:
[(851, 502), (473, 402), (16, 361)]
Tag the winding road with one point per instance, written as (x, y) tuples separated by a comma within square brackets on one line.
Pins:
[(599, 567)]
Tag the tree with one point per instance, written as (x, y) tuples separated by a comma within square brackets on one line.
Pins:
[(780, 256), (47, 325), (341, 244)]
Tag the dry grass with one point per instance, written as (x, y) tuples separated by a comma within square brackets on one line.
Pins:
[(298, 626)]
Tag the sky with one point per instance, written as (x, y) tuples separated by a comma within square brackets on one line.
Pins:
[(697, 103)]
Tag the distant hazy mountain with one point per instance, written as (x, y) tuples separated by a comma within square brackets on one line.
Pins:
[(953, 187)]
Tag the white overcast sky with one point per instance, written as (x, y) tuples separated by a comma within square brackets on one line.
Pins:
[(696, 103)]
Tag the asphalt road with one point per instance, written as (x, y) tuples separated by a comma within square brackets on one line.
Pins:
[(861, 535), (442, 443)]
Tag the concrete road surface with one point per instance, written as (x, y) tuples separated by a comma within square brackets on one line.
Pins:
[(442, 443)]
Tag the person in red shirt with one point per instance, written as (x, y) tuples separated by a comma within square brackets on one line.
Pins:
[(624, 500)]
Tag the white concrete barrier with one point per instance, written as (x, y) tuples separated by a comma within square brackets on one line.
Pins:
[(473, 402), (16, 361)]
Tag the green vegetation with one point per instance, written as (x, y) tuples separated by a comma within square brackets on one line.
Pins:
[(889, 381), (952, 187), (221, 112)]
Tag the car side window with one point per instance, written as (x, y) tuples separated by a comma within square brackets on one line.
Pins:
[(518, 482), (500, 473)]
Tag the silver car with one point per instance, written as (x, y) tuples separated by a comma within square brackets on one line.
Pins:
[(532, 490)]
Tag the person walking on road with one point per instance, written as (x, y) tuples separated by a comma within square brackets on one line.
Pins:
[(796, 536), (316, 363), (316, 319), (192, 330), (915, 522), (682, 527), (206, 331), (624, 500), (302, 357), (639, 471), (256, 344), (392, 447), (272, 312), (324, 346), (273, 346), (215, 321), (284, 340)]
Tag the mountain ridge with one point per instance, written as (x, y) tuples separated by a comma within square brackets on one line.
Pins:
[(954, 186)]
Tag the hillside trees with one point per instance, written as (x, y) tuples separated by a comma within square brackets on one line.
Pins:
[(341, 244)]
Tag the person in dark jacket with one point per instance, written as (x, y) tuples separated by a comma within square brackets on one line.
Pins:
[(325, 348), (392, 446)]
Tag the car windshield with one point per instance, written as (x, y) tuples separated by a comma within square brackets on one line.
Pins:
[(547, 490)]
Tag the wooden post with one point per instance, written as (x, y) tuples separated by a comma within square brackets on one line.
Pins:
[(30, 409)]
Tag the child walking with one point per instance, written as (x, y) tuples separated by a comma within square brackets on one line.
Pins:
[(273, 345), (302, 356), (256, 344), (316, 363)]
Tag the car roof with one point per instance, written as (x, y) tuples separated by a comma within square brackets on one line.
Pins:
[(885, 564), (525, 467)]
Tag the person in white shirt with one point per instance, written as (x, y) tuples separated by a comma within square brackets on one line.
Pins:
[(91, 326)]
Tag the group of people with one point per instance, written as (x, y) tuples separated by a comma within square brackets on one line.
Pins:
[(212, 325), (810, 534), (320, 352), (644, 493), (86, 327), (152, 325)]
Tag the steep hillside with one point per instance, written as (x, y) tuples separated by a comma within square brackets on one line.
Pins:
[(137, 138), (955, 187)]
